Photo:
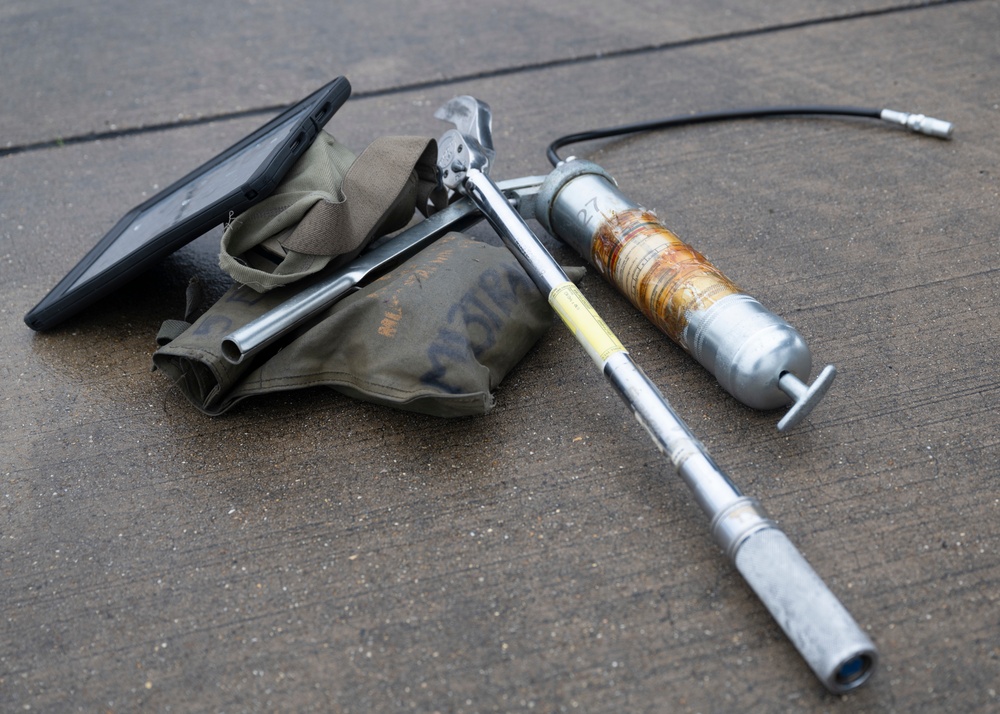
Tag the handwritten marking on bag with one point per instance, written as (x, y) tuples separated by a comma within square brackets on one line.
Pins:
[(390, 319), (394, 312), (474, 324), (214, 324)]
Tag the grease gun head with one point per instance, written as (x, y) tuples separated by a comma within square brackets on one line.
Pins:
[(469, 145), (472, 117)]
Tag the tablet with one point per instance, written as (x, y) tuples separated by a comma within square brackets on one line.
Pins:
[(225, 186)]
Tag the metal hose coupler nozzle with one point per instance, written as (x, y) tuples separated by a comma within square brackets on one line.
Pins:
[(919, 123), (755, 355)]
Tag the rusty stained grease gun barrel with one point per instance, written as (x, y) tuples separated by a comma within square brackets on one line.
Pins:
[(820, 627), (755, 355)]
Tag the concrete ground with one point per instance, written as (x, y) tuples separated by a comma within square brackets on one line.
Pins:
[(308, 552)]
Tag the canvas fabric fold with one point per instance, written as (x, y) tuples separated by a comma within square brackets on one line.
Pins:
[(329, 207)]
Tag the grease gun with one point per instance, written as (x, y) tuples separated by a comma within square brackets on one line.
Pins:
[(820, 627), (833, 645), (756, 356)]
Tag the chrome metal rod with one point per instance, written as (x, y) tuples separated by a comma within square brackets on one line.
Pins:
[(249, 339)]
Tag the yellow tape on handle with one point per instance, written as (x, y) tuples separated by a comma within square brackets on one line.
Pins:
[(584, 322)]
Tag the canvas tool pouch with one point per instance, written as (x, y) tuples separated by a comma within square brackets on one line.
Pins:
[(436, 335)]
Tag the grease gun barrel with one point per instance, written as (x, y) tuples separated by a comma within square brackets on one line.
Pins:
[(755, 355)]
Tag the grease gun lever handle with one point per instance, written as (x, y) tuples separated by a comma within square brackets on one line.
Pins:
[(837, 650)]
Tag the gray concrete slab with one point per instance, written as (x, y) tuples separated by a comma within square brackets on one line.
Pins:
[(309, 552), (73, 69)]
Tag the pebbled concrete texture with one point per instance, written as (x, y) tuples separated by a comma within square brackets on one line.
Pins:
[(308, 552)]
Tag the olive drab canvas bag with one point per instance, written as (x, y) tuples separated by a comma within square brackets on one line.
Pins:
[(436, 335)]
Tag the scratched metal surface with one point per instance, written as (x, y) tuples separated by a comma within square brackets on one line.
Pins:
[(312, 553)]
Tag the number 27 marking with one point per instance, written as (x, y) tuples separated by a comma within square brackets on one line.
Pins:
[(585, 215)]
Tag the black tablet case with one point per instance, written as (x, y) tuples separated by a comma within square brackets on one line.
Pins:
[(68, 298)]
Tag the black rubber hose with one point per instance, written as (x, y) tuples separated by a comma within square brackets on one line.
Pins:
[(705, 117)]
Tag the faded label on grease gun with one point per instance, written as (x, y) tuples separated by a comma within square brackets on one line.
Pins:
[(658, 272)]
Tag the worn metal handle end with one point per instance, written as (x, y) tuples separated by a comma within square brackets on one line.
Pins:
[(816, 622)]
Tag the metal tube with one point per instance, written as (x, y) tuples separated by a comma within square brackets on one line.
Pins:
[(819, 626)]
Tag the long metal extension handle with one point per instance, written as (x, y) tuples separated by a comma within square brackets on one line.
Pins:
[(819, 626)]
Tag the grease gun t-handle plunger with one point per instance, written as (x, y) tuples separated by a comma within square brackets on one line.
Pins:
[(819, 626), (755, 355)]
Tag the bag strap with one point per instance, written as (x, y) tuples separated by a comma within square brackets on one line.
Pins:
[(382, 186)]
